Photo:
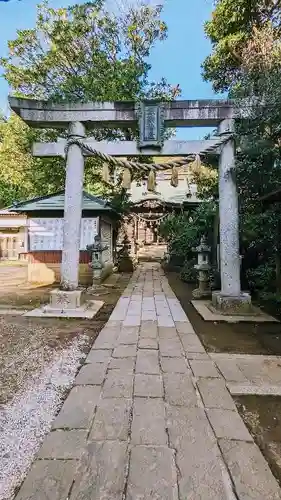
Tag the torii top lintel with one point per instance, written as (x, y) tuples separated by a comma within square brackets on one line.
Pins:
[(195, 113)]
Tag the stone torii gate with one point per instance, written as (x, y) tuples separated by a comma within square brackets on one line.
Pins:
[(152, 119)]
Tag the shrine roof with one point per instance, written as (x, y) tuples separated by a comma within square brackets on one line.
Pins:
[(56, 202)]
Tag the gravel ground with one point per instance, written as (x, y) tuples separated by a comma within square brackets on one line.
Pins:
[(39, 359), (26, 419)]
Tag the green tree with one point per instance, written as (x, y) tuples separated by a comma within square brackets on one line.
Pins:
[(78, 53), (230, 30), (23, 176), (246, 62), (83, 53)]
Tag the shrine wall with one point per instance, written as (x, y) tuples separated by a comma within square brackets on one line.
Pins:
[(44, 267), (44, 248)]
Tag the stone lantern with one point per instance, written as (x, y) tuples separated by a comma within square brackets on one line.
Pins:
[(96, 250), (203, 267)]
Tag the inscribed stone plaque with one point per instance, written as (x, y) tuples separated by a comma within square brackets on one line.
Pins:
[(150, 125)]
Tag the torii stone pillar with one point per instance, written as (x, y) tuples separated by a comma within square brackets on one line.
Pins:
[(72, 210), (230, 298)]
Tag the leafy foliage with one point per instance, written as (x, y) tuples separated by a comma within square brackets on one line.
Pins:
[(183, 233), (188, 272), (230, 30), (77, 53), (83, 53), (246, 62), (23, 176)]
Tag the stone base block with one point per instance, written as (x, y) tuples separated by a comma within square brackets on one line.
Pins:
[(60, 299), (67, 304), (209, 313), (87, 311), (232, 305)]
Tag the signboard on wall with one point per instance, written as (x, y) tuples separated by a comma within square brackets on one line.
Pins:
[(47, 233)]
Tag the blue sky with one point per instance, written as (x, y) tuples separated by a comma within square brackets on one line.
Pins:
[(178, 59)]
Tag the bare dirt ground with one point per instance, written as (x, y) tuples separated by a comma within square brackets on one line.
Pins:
[(39, 359), (262, 415), (238, 338)]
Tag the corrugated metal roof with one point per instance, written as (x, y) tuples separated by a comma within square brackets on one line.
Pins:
[(56, 202)]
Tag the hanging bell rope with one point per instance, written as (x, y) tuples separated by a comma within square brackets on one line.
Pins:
[(151, 181), (174, 177), (196, 164), (126, 178), (106, 173)]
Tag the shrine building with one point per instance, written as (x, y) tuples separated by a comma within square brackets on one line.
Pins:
[(41, 230)]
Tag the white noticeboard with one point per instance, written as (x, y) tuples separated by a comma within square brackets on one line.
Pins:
[(47, 233)]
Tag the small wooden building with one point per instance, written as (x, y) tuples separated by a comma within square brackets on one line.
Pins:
[(44, 235)]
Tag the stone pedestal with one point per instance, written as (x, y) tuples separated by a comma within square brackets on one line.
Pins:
[(203, 290), (231, 305), (68, 304), (61, 300)]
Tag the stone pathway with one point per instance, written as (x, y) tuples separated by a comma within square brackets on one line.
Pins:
[(150, 416), (250, 374)]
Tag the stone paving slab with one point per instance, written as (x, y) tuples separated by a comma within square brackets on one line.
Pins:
[(191, 343), (151, 417), (171, 348), (128, 335), (148, 344), (152, 474), (118, 385), (91, 374), (63, 445), (148, 362), (228, 424), (184, 327), (127, 365), (250, 472), (48, 480), (174, 365), (179, 389), (111, 420), (101, 474), (202, 474), (253, 389), (99, 356), (166, 332), (215, 394), (78, 410), (252, 374), (150, 386), (202, 368), (149, 425), (125, 351)]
